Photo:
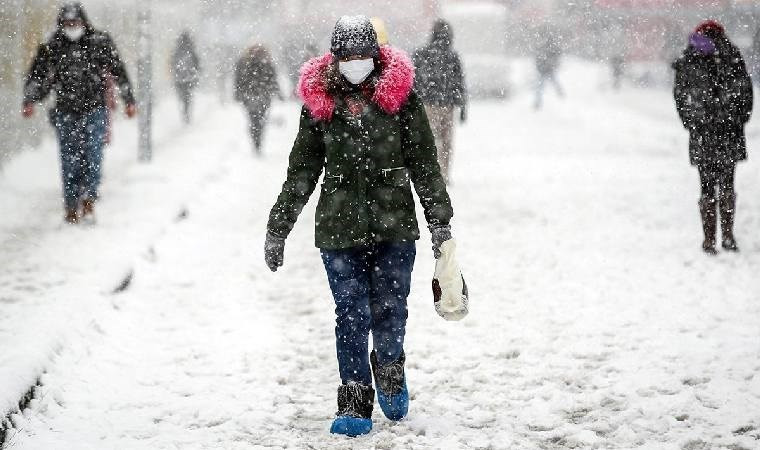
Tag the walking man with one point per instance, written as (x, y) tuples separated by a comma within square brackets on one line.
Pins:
[(547, 63), (440, 84), (255, 85), (76, 63), (186, 70)]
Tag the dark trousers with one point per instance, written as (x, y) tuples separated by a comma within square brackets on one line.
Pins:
[(185, 93), (716, 180), (257, 116), (81, 138), (370, 285), (543, 80)]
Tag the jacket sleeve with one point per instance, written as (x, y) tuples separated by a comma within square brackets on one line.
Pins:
[(116, 68), (745, 98), (681, 95), (460, 88), (307, 158), (39, 80), (422, 160), (239, 80), (274, 86)]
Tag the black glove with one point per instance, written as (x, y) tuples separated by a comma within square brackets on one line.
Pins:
[(463, 114), (274, 251), (439, 234)]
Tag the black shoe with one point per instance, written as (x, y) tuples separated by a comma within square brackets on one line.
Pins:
[(354, 416), (390, 380)]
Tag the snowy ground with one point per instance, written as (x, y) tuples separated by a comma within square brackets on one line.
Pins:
[(596, 321)]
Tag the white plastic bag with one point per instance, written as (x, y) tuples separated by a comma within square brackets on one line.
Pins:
[(449, 289)]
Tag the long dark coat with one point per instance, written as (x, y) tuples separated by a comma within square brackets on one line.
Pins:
[(713, 95), (370, 161)]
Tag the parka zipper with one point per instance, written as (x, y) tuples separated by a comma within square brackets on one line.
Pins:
[(387, 171)]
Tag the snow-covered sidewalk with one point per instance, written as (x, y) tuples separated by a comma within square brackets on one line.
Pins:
[(596, 321)]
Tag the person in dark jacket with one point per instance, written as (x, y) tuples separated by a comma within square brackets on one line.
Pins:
[(547, 63), (617, 67), (440, 84), (186, 71), (363, 125), (76, 63), (713, 95), (255, 85)]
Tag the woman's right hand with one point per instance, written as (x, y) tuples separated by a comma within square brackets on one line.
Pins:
[(274, 251)]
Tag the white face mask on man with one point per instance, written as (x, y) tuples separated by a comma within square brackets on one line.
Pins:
[(74, 33), (357, 70)]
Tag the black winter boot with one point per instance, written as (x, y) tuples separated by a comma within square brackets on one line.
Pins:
[(727, 207), (709, 224), (390, 380), (354, 416)]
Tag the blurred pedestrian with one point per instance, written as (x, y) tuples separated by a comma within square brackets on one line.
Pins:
[(186, 71), (382, 32), (295, 52), (548, 58), (440, 84), (366, 128), (617, 67), (713, 94), (255, 85), (76, 63)]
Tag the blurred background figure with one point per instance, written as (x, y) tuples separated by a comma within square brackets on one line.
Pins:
[(617, 67), (548, 56), (713, 94), (295, 52), (440, 84), (186, 71), (380, 29), (255, 85), (76, 63)]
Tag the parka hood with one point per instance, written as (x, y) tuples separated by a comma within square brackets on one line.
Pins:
[(73, 11), (442, 36), (391, 91)]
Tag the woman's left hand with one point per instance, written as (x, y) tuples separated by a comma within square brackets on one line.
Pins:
[(438, 235)]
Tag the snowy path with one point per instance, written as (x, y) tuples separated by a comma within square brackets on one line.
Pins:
[(596, 322)]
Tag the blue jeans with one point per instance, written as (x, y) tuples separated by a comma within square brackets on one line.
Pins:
[(370, 285), (81, 139)]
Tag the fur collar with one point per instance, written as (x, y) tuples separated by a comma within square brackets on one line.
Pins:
[(391, 91)]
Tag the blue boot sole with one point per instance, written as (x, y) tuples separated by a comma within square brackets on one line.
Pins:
[(351, 426)]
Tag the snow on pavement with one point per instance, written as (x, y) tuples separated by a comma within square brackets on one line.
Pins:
[(596, 321)]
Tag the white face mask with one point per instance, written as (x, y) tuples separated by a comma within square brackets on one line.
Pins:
[(357, 70), (73, 33)]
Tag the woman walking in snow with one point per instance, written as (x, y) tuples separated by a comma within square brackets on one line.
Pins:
[(713, 94), (363, 124)]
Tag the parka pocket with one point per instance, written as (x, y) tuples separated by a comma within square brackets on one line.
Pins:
[(331, 183), (396, 176)]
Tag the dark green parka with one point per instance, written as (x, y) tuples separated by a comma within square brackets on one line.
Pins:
[(370, 159)]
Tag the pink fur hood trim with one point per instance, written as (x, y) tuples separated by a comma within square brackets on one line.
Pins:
[(391, 91)]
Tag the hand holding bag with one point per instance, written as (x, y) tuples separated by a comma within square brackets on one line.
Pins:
[(450, 294)]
